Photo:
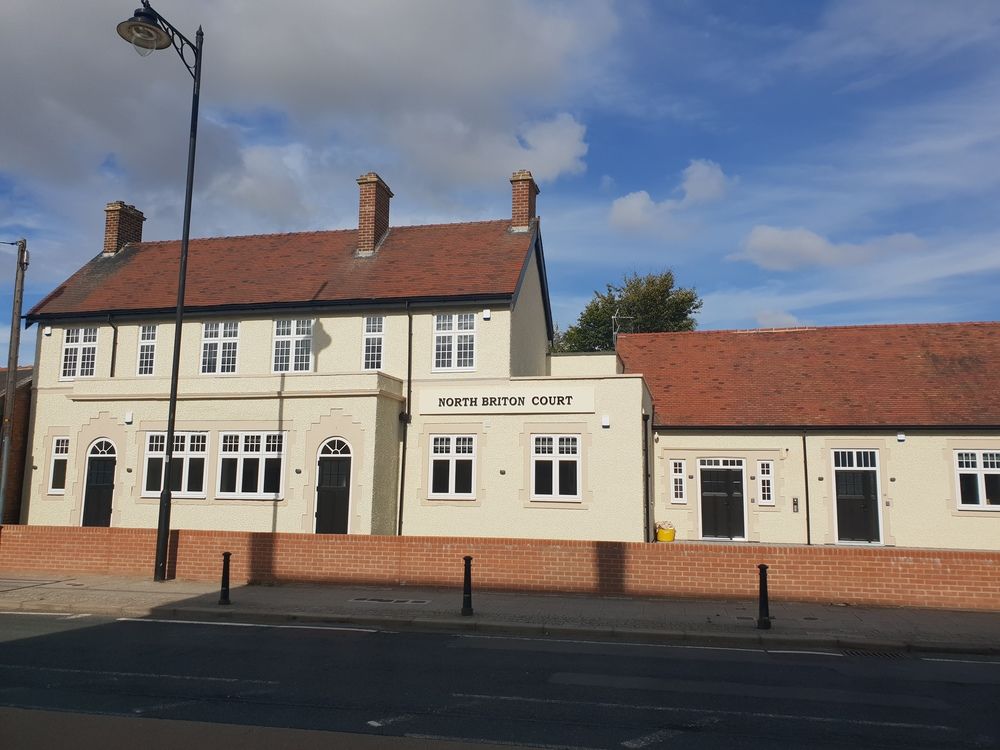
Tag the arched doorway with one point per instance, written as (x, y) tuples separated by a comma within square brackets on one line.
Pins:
[(100, 484), (333, 487)]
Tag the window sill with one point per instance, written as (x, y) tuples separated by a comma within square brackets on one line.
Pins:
[(451, 498), (561, 500), (980, 508), (268, 498)]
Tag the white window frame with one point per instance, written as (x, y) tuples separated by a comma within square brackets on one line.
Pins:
[(244, 442), (81, 342), (373, 343), (60, 452), (299, 332), (220, 333), (452, 330), (765, 483), (147, 345), (183, 454), (558, 444), (987, 462), (452, 454), (678, 481)]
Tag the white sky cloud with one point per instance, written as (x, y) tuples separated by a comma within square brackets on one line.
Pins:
[(778, 249), (702, 182)]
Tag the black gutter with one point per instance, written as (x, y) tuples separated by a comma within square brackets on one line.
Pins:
[(405, 417), (360, 303), (114, 347), (645, 476), (805, 473), (823, 427)]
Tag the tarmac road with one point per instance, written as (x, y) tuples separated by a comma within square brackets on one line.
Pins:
[(404, 689)]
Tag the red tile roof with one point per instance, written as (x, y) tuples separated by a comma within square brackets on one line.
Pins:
[(435, 261), (860, 376)]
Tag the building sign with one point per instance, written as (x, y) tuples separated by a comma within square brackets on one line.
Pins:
[(508, 399)]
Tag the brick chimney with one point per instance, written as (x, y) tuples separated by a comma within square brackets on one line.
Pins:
[(122, 225), (523, 192), (373, 212)]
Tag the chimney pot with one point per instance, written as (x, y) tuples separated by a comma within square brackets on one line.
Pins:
[(373, 212), (122, 225), (523, 192)]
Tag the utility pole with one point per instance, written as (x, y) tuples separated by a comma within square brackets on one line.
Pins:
[(15, 342)]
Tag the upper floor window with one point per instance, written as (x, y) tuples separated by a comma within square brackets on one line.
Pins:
[(978, 479), (293, 345), (555, 467), (455, 341), (147, 350), (250, 464), (372, 349), (453, 462), (187, 464), (57, 472), (79, 358), (218, 347)]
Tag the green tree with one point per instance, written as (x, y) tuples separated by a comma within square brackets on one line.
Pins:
[(644, 304)]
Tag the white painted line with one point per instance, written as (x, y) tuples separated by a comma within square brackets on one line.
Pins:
[(77, 617), (390, 720), (608, 643), (488, 741), (809, 653), (961, 661), (38, 614), (247, 624), (161, 707), (716, 712), (649, 739), (103, 673)]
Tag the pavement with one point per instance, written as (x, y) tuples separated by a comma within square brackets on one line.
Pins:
[(678, 621)]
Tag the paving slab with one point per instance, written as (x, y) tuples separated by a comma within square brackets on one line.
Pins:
[(701, 621)]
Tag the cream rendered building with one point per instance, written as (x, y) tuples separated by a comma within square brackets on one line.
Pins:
[(358, 382), (862, 435)]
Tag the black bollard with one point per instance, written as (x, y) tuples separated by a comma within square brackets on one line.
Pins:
[(763, 615), (467, 591), (224, 593)]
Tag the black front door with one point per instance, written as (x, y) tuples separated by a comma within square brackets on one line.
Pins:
[(333, 495), (100, 488), (722, 503), (857, 506)]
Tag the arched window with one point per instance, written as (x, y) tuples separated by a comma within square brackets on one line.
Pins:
[(335, 447), (102, 448)]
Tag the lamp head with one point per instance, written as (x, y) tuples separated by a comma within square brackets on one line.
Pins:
[(143, 32)]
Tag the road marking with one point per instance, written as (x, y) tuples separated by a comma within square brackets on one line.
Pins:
[(716, 712), (489, 741), (66, 670), (810, 653), (961, 661), (162, 707), (390, 720), (649, 739), (247, 624), (77, 617), (610, 643), (39, 614)]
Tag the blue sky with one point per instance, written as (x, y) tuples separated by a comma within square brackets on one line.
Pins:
[(798, 163)]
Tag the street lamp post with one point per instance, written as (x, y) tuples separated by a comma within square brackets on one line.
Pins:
[(11, 389), (147, 31)]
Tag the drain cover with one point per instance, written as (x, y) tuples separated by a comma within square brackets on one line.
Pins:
[(875, 654), (377, 600)]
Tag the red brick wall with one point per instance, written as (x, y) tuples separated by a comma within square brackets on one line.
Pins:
[(18, 450), (876, 576)]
